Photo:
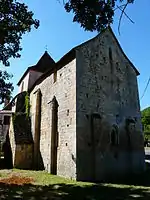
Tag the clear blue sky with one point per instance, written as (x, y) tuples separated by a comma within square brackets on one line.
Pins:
[(60, 34)]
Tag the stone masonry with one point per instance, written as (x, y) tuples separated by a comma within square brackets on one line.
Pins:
[(64, 89), (95, 132), (106, 85)]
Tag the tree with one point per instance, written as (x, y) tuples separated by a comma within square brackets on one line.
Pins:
[(146, 119), (15, 20), (5, 86), (96, 15)]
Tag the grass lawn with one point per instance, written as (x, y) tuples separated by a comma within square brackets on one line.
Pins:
[(44, 186)]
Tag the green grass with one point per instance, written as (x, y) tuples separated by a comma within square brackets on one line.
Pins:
[(51, 187)]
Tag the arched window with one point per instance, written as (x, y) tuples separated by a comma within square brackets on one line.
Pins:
[(114, 135)]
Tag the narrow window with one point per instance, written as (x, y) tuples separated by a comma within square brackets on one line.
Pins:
[(55, 76), (110, 54), (68, 112), (114, 137)]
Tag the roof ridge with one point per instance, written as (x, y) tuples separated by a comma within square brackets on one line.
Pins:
[(51, 62)]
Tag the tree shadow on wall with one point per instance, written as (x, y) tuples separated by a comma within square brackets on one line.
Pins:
[(72, 192), (24, 144), (142, 179)]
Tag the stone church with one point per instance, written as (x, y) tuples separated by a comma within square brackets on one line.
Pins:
[(84, 114)]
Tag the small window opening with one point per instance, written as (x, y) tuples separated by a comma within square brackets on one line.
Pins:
[(89, 144), (110, 54), (135, 118), (6, 120), (68, 112), (55, 76), (114, 137), (87, 116)]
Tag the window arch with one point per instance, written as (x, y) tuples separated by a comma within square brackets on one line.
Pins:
[(114, 135)]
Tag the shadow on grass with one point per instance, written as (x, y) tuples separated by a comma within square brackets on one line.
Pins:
[(142, 179), (82, 191), (67, 191)]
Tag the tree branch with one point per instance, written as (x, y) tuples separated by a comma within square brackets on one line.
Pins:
[(118, 7), (123, 10), (126, 15)]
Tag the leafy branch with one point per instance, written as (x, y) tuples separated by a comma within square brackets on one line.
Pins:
[(15, 20), (95, 15)]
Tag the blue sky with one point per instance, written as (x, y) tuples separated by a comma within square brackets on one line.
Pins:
[(60, 34)]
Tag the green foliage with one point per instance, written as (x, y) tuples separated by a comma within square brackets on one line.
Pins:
[(6, 87), (147, 135), (146, 119), (27, 104), (22, 128), (47, 186), (15, 20), (94, 14), (22, 105), (146, 122)]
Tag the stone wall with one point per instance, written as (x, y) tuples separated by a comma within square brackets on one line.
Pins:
[(33, 76), (23, 86), (99, 123), (23, 157), (64, 89), (29, 80), (20, 137), (21, 143), (106, 87)]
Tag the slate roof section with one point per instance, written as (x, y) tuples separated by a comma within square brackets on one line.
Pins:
[(45, 63)]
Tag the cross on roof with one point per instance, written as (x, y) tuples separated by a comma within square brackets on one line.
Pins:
[(46, 48)]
